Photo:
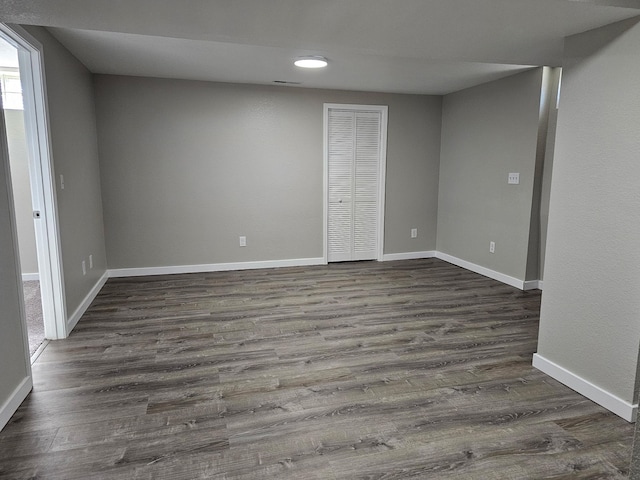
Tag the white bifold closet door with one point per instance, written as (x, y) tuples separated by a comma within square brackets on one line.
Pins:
[(354, 139)]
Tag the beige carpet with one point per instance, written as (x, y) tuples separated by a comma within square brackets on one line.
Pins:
[(33, 312)]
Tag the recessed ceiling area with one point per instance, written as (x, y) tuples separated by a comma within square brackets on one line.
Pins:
[(163, 57), (408, 46)]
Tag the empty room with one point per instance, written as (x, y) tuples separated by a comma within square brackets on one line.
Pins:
[(309, 239)]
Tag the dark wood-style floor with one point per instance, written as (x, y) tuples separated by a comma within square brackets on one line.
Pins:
[(398, 370)]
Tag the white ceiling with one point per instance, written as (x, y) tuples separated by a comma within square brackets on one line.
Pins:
[(404, 46)]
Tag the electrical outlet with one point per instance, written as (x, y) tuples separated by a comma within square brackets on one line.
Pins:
[(90, 261), (513, 179), (492, 247), (414, 233), (84, 267), (243, 241)]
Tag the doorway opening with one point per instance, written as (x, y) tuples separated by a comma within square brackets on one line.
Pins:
[(13, 107), (24, 110)]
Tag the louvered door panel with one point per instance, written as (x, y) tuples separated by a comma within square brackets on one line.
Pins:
[(367, 155), (340, 241), (341, 153), (365, 231)]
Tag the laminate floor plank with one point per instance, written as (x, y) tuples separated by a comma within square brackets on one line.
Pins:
[(369, 370)]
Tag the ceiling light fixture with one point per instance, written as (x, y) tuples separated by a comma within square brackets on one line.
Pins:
[(312, 61)]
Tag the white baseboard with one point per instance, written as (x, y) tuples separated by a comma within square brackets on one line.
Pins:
[(532, 285), (540, 285), (73, 319), (300, 262), (389, 257), (600, 396), (214, 267), (30, 277), (14, 401), (501, 277)]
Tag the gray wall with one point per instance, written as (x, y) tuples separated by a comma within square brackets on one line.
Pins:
[(13, 355), (19, 160), (75, 155), (591, 303), (189, 166), (489, 131)]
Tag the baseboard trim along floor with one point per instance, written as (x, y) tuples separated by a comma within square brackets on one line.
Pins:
[(213, 267), (300, 262), (487, 272), (82, 308), (594, 393), (13, 402)]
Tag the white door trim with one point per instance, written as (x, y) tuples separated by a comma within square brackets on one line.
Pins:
[(384, 115), (42, 179)]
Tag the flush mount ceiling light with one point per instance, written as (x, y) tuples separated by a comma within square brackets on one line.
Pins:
[(312, 61)]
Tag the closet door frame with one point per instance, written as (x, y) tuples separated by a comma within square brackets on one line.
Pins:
[(382, 169)]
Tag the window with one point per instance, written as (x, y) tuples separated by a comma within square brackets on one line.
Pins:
[(11, 89)]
